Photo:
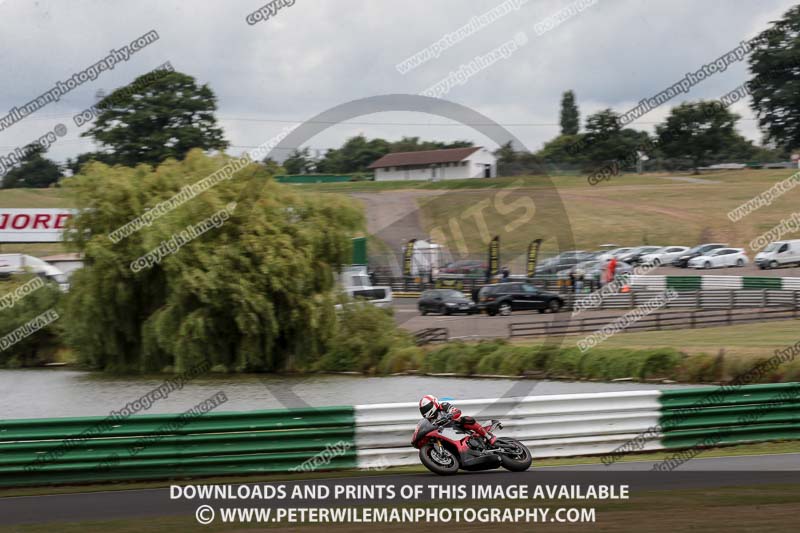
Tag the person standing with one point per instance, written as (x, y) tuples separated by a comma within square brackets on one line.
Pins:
[(612, 268), (579, 274)]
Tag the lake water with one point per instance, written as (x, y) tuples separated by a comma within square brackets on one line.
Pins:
[(42, 393)]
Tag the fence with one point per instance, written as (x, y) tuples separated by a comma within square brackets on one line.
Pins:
[(80, 450), (370, 436), (412, 286), (698, 299), (431, 335), (661, 320)]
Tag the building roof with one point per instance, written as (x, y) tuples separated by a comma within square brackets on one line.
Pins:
[(424, 157), (72, 256)]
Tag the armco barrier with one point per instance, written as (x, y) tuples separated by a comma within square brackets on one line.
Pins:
[(725, 415), (593, 424), (64, 450), (378, 435)]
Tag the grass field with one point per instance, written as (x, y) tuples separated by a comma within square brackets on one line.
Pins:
[(741, 347), (758, 339), (627, 210)]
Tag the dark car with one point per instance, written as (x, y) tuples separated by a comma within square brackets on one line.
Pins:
[(503, 298), (697, 251), (446, 302), (632, 257), (563, 261)]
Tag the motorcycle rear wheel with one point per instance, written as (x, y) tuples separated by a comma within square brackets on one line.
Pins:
[(518, 462), (438, 466)]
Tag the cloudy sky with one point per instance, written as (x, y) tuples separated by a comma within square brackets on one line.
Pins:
[(316, 54)]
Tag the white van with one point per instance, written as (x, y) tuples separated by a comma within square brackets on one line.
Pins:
[(21, 263), (779, 253), (355, 282)]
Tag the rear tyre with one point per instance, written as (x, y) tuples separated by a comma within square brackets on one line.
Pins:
[(504, 309), (708, 264), (554, 306), (422, 311), (519, 459), (443, 463), (740, 263), (773, 264)]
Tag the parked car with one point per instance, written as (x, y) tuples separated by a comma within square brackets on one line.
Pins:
[(615, 252), (720, 257), (664, 256), (503, 298), (446, 302), (465, 267), (683, 260), (562, 261), (632, 257), (779, 253)]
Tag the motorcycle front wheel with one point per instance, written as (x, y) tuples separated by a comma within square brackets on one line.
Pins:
[(516, 456), (438, 460)]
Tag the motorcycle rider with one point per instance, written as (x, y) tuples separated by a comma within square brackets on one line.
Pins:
[(435, 411)]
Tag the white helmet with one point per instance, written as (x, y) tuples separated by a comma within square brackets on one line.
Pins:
[(429, 406)]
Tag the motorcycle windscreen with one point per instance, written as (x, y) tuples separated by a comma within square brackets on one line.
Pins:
[(423, 428)]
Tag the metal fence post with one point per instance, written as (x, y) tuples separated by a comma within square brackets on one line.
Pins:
[(763, 297), (732, 298), (796, 302)]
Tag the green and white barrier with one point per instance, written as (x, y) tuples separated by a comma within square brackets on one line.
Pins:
[(609, 424), (83, 450), (713, 282)]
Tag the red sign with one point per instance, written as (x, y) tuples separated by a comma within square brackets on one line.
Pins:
[(33, 225)]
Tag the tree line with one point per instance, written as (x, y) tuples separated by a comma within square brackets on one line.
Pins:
[(151, 121)]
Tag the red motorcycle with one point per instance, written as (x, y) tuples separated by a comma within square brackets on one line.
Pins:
[(446, 447)]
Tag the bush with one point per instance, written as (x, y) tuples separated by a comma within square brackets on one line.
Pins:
[(41, 345), (701, 368), (401, 360), (365, 336), (565, 362)]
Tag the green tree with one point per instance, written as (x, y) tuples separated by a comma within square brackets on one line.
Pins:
[(698, 132), (775, 68), (34, 170), (75, 165), (43, 302), (164, 118), (608, 141), (570, 118), (272, 167), (299, 162), (355, 155), (255, 293), (506, 154)]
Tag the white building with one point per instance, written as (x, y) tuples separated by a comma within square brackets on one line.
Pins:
[(436, 165)]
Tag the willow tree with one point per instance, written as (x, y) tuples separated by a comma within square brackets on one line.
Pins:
[(255, 293)]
